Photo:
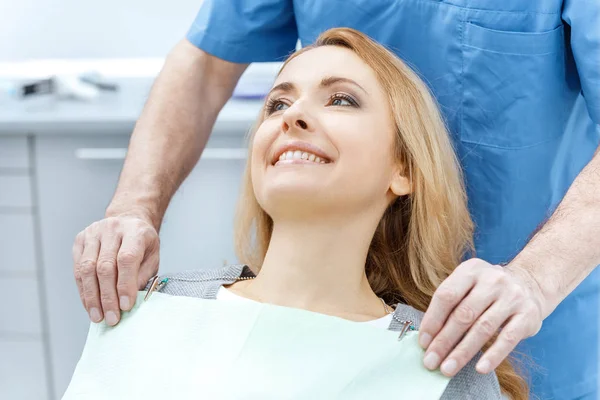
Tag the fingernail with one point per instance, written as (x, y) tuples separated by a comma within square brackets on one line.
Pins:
[(425, 340), (483, 367), (95, 315), (111, 318), (449, 367), (431, 361), (124, 303)]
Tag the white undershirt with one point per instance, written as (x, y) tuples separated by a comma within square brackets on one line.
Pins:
[(227, 295)]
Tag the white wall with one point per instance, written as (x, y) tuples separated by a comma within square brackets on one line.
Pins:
[(32, 29)]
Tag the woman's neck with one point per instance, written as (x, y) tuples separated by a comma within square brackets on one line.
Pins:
[(319, 266)]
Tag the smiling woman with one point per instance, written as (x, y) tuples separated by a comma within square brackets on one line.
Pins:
[(383, 214)]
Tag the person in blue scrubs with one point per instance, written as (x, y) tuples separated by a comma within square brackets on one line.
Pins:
[(519, 84)]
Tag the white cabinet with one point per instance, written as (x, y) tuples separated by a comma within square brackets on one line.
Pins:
[(76, 178), (16, 192), (14, 153), (22, 372), (17, 249), (20, 308)]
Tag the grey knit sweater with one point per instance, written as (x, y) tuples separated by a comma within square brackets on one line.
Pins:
[(466, 385)]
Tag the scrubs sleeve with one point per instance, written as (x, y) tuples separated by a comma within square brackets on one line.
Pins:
[(245, 31), (583, 16)]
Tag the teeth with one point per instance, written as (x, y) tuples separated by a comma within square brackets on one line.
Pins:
[(301, 155)]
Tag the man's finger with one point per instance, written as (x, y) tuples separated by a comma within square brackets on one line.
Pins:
[(107, 278), (459, 322), (129, 259), (447, 296), (509, 338), (479, 334), (76, 252), (149, 267), (87, 268)]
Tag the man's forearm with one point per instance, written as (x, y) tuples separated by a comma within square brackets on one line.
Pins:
[(172, 130), (567, 248)]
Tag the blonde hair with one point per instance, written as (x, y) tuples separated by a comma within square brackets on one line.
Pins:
[(421, 237)]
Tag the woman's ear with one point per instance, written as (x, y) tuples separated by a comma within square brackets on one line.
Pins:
[(401, 184)]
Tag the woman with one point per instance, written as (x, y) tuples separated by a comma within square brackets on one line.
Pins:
[(353, 199)]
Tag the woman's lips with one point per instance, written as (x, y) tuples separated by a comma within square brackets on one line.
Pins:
[(297, 149), (300, 157)]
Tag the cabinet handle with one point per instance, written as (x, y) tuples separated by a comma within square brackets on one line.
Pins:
[(119, 154)]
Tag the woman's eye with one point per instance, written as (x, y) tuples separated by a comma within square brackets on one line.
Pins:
[(279, 106), (274, 106), (340, 102), (343, 101)]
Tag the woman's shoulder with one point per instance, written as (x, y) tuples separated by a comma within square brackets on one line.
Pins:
[(468, 384), (201, 283)]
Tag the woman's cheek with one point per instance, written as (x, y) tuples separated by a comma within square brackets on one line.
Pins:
[(260, 146)]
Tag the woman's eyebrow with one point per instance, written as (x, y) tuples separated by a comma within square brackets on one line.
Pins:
[(330, 80), (284, 87), (287, 87)]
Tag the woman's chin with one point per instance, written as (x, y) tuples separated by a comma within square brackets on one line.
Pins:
[(295, 191), (300, 196), (297, 179), (297, 185)]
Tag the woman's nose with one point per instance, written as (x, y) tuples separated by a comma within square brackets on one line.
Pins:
[(294, 118), (299, 123)]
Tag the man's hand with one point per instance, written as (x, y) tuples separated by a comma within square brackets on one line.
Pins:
[(469, 308), (116, 256), (113, 258)]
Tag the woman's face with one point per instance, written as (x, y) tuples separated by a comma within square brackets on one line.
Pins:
[(327, 139)]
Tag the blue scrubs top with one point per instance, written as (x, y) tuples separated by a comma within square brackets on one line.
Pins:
[(518, 82)]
